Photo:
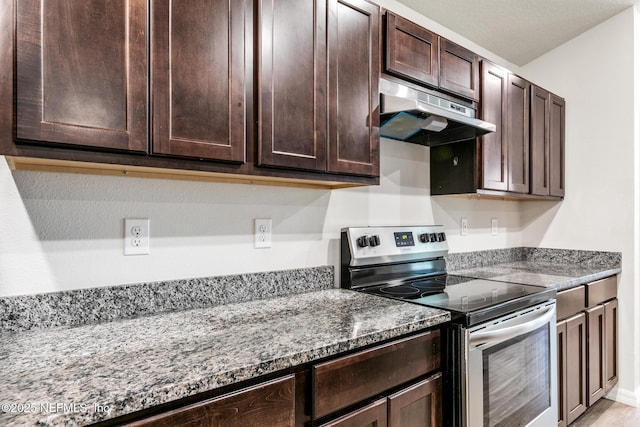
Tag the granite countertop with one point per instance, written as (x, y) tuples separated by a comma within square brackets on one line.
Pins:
[(82, 374), (541, 273)]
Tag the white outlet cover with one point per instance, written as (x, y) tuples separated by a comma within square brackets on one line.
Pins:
[(262, 233), (137, 236), (494, 226), (464, 226)]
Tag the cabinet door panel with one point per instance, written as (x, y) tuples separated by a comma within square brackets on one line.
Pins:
[(198, 83), (417, 405), (518, 134), (269, 404), (576, 401), (354, 69), (561, 330), (81, 73), (411, 51), (494, 145), (611, 344), (459, 70), (292, 79), (556, 146), (373, 415), (539, 140), (595, 354)]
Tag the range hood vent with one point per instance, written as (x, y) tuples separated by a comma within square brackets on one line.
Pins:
[(422, 118)]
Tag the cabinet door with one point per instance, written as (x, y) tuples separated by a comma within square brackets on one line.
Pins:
[(595, 354), (270, 404), (459, 70), (373, 415), (611, 344), (198, 79), (576, 362), (539, 140), (494, 144), (517, 118), (556, 146), (411, 51), (292, 78), (81, 73), (561, 331), (417, 405), (354, 70)]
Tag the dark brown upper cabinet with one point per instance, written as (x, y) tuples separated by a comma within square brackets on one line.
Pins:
[(411, 51), (517, 118), (198, 79), (459, 70), (293, 84), (547, 143), (81, 72), (354, 72), (493, 107), (417, 54), (319, 89)]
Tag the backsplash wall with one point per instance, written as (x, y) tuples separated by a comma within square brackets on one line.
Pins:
[(64, 231)]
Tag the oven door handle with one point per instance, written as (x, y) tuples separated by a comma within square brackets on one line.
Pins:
[(479, 338)]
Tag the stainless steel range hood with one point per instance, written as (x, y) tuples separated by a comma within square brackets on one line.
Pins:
[(422, 118)]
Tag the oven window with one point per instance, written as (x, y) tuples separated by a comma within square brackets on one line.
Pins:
[(516, 376)]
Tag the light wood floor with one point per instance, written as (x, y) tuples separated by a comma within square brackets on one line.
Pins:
[(607, 413)]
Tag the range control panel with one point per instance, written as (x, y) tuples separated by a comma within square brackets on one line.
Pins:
[(373, 245)]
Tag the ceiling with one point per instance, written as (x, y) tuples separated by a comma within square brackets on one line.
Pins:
[(519, 30)]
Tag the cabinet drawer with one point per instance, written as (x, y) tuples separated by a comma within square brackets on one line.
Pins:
[(351, 379), (570, 302), (601, 291)]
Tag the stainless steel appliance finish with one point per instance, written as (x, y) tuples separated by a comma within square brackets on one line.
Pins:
[(424, 118), (500, 349)]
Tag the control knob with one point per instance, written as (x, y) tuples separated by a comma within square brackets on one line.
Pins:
[(374, 241), (424, 238), (362, 241), (441, 237), (433, 237)]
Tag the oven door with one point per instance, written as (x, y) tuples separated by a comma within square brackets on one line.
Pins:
[(512, 370)]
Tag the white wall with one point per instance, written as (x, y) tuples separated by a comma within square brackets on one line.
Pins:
[(64, 231), (596, 75)]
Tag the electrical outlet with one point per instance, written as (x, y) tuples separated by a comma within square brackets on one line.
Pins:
[(262, 233), (494, 226), (464, 226), (136, 236)]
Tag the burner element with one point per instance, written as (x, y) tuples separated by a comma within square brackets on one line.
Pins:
[(400, 291)]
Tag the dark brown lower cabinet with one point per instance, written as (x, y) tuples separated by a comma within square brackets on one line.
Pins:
[(611, 344), (587, 333), (419, 404), (575, 366), (595, 354), (374, 415), (270, 404)]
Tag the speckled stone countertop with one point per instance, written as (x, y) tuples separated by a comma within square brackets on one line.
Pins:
[(556, 268), (92, 372)]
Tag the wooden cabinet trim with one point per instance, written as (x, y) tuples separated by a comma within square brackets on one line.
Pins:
[(556, 145), (539, 140), (349, 379)]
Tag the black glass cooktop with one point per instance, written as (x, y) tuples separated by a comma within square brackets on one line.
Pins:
[(470, 300)]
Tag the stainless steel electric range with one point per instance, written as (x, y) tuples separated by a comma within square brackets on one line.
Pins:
[(500, 348)]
